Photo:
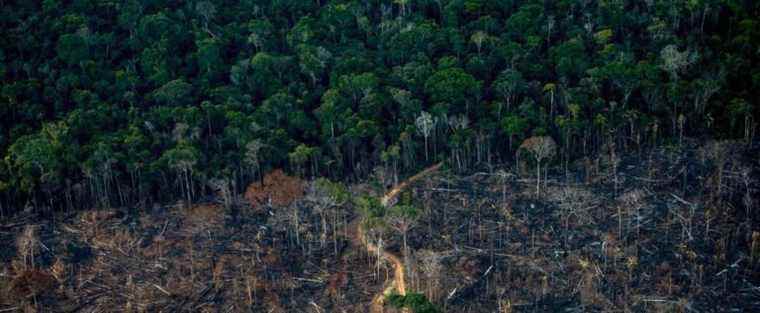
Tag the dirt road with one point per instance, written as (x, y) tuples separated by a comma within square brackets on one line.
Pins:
[(398, 283), (396, 190)]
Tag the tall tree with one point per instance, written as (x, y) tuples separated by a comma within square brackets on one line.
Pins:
[(541, 148), (424, 124)]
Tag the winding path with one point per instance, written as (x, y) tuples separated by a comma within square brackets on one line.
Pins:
[(398, 283), (391, 195)]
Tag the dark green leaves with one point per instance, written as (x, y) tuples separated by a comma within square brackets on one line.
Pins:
[(72, 49), (454, 86), (417, 302)]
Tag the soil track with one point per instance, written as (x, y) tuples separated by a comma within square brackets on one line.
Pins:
[(396, 190), (398, 283)]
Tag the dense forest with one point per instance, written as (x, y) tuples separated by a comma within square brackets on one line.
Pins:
[(124, 102)]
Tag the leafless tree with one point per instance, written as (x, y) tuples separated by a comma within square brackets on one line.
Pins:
[(504, 178), (431, 266), (747, 180), (755, 246), (574, 203), (222, 187), (252, 155), (541, 147), (425, 125), (402, 218), (674, 61), (633, 201), (717, 152), (27, 245)]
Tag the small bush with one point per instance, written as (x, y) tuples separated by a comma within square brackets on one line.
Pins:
[(417, 302)]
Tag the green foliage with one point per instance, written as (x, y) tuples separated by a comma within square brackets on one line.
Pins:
[(372, 211), (509, 84), (602, 37), (514, 125), (570, 58), (182, 157), (260, 33), (337, 192), (41, 157), (174, 93), (404, 211), (72, 48), (523, 22), (454, 86), (210, 56), (357, 86), (302, 154), (135, 87), (417, 302), (739, 110)]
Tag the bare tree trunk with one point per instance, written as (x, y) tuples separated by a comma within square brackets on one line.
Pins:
[(406, 249), (426, 148), (704, 16), (538, 178), (335, 232)]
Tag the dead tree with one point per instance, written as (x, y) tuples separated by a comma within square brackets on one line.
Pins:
[(718, 152), (222, 187), (27, 245), (541, 147), (632, 201), (402, 218)]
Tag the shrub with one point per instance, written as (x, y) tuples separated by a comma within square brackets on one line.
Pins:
[(417, 302)]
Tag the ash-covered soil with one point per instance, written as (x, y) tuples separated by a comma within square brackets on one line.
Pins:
[(671, 230)]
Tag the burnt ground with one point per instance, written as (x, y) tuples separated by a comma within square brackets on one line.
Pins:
[(645, 233), (204, 259), (657, 237)]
